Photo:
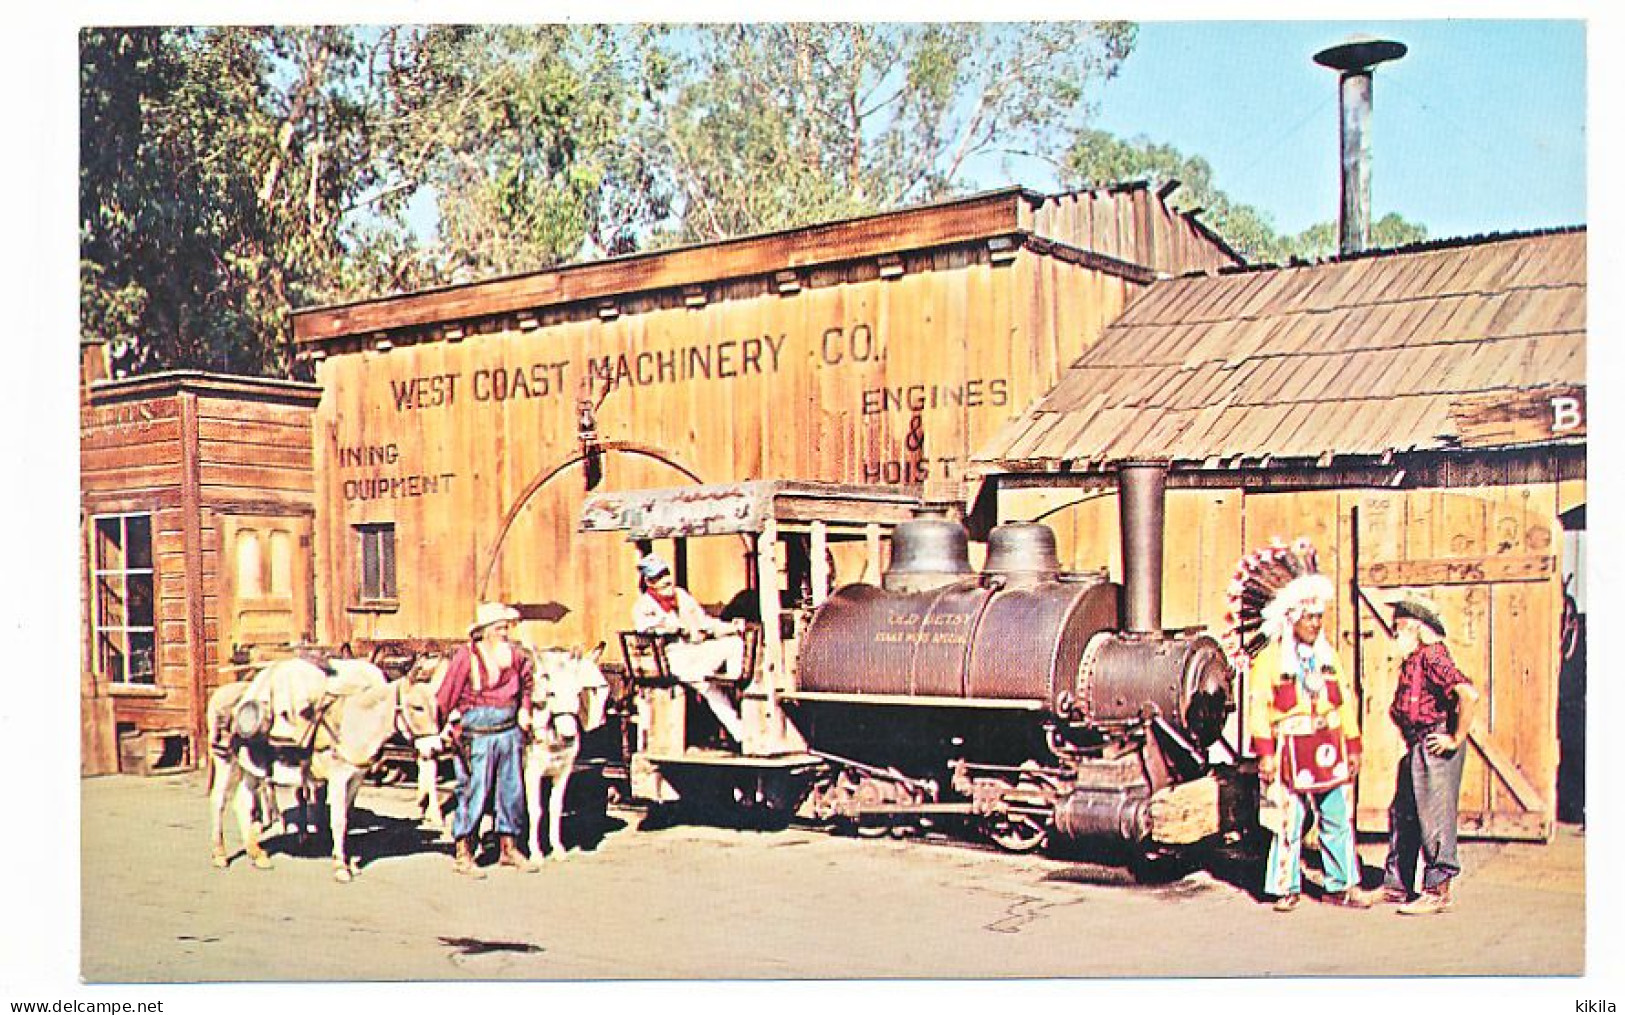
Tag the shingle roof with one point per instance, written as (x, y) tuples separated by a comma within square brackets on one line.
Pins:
[(1360, 356)]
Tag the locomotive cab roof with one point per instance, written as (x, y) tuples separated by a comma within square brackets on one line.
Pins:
[(734, 508)]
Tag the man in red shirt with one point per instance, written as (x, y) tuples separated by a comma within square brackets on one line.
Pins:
[(487, 693), (1433, 708)]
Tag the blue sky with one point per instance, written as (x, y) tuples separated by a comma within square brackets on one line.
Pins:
[(1480, 128)]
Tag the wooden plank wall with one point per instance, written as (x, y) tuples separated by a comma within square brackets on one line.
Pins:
[(1202, 542), (254, 457), (1503, 631), (1131, 225), (251, 456), (1503, 634), (130, 455), (839, 376)]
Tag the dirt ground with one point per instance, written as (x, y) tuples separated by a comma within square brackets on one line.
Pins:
[(695, 901)]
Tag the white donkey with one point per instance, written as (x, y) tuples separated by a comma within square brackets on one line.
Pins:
[(354, 713), (568, 700)]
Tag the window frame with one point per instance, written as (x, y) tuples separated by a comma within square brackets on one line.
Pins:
[(98, 623)]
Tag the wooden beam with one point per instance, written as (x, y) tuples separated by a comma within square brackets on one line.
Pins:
[(968, 220), (819, 549), (1508, 773), (192, 527), (1520, 417)]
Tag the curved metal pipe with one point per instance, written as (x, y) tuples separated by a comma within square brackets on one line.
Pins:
[(623, 447)]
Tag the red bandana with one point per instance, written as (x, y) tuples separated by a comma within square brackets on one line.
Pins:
[(667, 603)]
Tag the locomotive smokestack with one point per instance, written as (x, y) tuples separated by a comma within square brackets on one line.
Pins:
[(1354, 60), (1140, 487)]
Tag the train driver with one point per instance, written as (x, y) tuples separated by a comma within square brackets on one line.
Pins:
[(702, 645)]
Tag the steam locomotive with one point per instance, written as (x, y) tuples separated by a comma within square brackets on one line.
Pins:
[(1025, 703)]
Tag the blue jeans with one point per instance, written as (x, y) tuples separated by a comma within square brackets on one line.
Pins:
[(1422, 819), (1340, 863), (492, 768)]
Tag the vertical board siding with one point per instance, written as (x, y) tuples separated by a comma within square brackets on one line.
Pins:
[(202, 446), (1503, 634), (852, 379)]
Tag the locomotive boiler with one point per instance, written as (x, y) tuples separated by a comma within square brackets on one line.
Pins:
[(1032, 703)]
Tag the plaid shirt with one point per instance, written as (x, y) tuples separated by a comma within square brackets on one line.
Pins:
[(1422, 699)]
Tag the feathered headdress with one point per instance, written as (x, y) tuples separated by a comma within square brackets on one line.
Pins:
[(1269, 588)]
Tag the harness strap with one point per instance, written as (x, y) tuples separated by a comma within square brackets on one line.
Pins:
[(319, 723)]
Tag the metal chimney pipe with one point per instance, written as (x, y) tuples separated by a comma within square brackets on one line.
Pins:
[(1354, 60), (1140, 488)]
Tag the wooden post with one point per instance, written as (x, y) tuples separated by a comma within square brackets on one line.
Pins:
[(192, 528), (767, 592), (765, 725), (872, 533)]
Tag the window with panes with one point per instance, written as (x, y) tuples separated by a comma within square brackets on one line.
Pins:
[(123, 578)]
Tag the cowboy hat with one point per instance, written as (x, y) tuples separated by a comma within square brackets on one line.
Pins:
[(652, 566), (487, 614), (1419, 609)]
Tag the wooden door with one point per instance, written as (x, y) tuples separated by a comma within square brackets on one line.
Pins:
[(267, 584), (1488, 566)]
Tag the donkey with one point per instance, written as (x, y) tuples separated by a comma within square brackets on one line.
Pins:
[(352, 716), (568, 700)]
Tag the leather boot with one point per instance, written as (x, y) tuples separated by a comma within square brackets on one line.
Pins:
[(511, 857), (464, 863), (1431, 901), (1393, 895), (1353, 897)]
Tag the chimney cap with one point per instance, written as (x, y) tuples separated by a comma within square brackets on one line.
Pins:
[(1359, 53)]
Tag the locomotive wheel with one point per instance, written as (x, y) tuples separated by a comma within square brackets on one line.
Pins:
[(871, 793), (1017, 833)]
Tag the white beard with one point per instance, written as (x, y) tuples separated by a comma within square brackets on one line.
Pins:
[(496, 658)]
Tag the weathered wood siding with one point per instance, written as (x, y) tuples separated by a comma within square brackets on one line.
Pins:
[(131, 457), (1131, 224), (187, 450), (470, 446)]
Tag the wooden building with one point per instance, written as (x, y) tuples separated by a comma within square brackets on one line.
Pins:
[(195, 513), (462, 428), (1419, 414)]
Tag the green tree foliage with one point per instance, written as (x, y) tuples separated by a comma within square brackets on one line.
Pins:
[(768, 126), (1098, 157), (228, 174), (525, 136), (215, 169)]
